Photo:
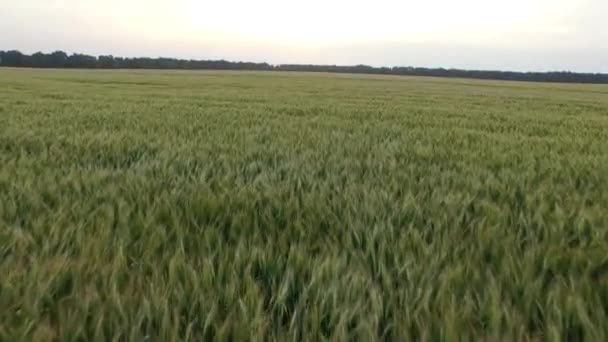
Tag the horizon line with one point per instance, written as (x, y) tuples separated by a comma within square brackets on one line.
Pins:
[(118, 62)]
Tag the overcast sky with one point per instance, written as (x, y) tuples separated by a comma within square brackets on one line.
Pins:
[(476, 34)]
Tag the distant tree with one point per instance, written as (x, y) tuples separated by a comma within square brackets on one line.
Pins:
[(81, 61), (105, 62), (38, 60), (12, 58), (60, 59)]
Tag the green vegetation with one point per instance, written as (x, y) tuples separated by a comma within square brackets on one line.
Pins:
[(142, 205), (60, 59)]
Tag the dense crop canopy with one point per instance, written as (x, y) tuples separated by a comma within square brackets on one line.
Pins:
[(209, 205)]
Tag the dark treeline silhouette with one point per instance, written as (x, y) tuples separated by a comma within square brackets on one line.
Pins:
[(60, 59)]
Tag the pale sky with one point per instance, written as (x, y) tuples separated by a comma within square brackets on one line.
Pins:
[(519, 35)]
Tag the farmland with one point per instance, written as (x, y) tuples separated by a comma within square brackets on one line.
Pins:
[(168, 205)]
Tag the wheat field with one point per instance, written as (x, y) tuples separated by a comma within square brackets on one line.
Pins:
[(167, 205)]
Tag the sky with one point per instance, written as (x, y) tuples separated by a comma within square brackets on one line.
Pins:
[(520, 35)]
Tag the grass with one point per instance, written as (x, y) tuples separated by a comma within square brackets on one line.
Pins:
[(225, 205)]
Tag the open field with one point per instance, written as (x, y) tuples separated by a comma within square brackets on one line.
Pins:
[(148, 205)]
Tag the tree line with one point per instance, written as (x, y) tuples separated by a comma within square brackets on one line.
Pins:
[(60, 59)]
